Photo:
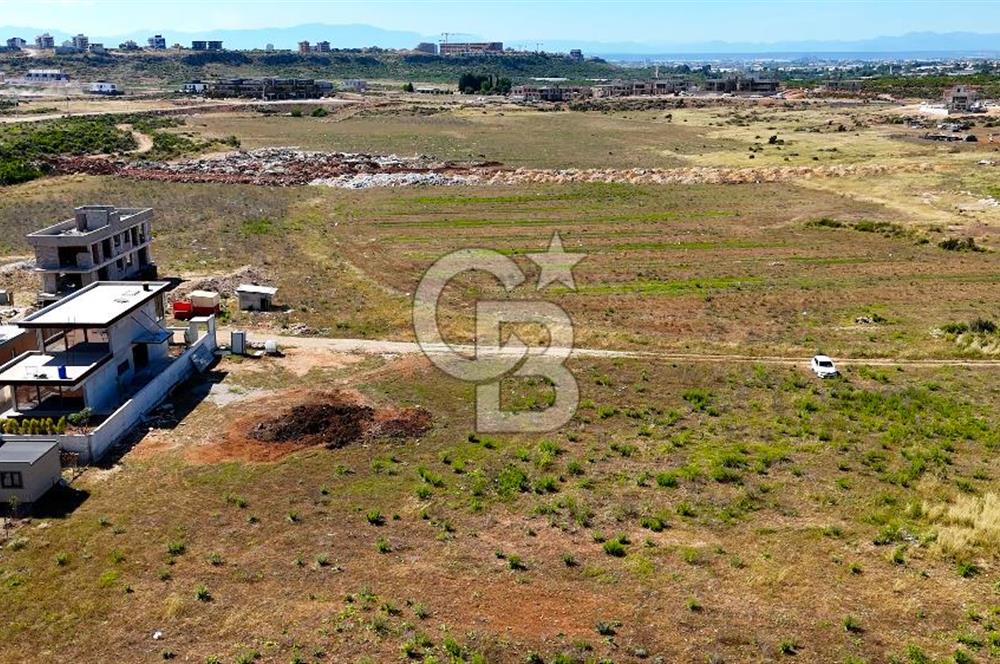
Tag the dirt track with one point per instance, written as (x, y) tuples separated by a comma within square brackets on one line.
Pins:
[(379, 347)]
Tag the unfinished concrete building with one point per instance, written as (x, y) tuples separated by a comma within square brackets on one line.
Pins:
[(962, 99), (269, 88), (471, 48), (638, 88), (551, 93), (100, 243), (740, 83)]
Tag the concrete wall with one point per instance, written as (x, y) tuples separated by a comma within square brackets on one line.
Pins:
[(37, 477), (123, 420)]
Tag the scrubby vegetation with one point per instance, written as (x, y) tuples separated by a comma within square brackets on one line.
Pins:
[(25, 148), (339, 64)]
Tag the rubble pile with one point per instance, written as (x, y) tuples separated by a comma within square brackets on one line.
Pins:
[(288, 167), (226, 284), (281, 167)]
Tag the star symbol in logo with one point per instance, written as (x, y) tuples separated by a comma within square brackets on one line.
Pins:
[(556, 264)]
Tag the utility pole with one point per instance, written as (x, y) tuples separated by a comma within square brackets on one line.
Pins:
[(538, 47)]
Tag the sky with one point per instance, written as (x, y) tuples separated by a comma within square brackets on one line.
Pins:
[(606, 21)]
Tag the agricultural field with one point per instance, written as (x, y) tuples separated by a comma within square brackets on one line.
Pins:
[(710, 500)]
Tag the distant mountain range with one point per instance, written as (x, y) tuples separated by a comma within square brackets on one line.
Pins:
[(357, 36)]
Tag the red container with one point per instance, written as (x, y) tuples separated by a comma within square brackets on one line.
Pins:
[(183, 309)]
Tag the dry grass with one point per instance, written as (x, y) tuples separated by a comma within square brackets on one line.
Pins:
[(970, 524), (760, 511)]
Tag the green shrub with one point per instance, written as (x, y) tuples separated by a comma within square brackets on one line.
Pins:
[(697, 397), (967, 569), (547, 484), (430, 477), (606, 628), (655, 523), (614, 547), (852, 625), (511, 480), (80, 418), (982, 326), (956, 244), (955, 328), (826, 222), (15, 171)]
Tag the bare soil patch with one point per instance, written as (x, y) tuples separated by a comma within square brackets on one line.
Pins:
[(275, 426)]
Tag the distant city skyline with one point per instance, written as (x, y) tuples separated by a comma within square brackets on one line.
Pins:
[(527, 21)]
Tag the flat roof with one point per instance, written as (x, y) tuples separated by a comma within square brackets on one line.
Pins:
[(253, 288), (25, 451), (96, 305), (67, 227), (38, 368), (9, 332)]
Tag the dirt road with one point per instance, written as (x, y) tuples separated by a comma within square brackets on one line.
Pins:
[(381, 347), (144, 142)]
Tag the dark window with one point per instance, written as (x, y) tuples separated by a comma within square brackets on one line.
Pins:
[(123, 367), (11, 480), (140, 356)]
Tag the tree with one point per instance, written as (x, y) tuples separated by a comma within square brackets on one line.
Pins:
[(407, 87)]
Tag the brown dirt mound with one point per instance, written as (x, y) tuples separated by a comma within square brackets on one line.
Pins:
[(225, 284), (335, 419)]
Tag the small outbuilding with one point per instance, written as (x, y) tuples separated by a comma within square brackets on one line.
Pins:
[(255, 298), (28, 469)]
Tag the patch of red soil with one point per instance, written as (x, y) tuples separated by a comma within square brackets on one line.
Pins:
[(280, 424)]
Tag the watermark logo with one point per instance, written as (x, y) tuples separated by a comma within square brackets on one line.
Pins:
[(490, 360)]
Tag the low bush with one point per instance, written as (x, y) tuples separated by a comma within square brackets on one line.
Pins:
[(956, 244), (615, 547)]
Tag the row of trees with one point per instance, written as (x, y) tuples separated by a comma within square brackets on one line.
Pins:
[(45, 426), (484, 84), (34, 427)]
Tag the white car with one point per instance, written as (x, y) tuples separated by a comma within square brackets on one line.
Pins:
[(823, 366)]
